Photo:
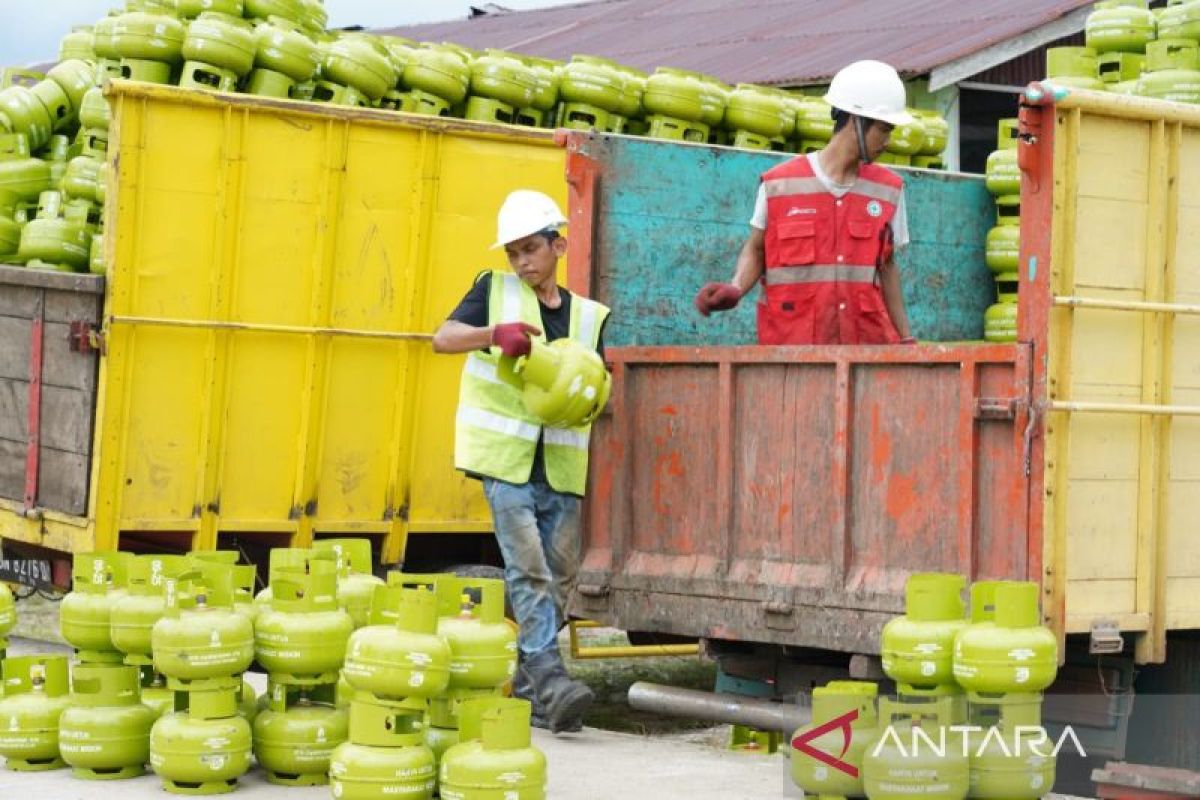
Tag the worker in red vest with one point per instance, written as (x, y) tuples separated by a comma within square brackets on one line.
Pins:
[(825, 228)]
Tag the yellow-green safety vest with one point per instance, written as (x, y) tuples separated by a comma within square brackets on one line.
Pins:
[(494, 435)]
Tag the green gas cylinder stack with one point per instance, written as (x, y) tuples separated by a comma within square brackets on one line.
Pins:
[(1004, 240), (35, 696), (394, 670), (300, 639), (202, 645)]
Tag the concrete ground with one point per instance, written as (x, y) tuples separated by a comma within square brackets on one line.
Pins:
[(592, 765)]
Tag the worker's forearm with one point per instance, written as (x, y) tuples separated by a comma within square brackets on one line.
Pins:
[(458, 337), (750, 264), (893, 298)]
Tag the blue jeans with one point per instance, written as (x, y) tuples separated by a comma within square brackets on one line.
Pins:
[(538, 532)]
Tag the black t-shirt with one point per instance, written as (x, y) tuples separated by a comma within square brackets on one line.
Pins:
[(556, 324)]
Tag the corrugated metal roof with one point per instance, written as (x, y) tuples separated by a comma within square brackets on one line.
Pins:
[(788, 42)]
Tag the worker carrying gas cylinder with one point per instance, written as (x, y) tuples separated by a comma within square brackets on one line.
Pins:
[(825, 228), (534, 471)]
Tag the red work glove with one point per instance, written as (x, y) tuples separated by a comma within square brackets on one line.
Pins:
[(513, 338), (717, 297)]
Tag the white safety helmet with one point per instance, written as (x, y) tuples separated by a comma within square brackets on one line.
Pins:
[(869, 89), (525, 212)]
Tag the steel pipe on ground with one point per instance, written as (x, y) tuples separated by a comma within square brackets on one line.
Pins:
[(761, 715)]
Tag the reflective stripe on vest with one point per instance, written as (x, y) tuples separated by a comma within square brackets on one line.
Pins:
[(494, 434), (819, 273), (779, 187)]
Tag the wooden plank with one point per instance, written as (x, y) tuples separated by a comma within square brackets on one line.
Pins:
[(14, 348), (14, 409), (17, 301), (71, 307), (63, 481), (66, 416), (62, 477), (48, 279), (61, 366), (12, 469)]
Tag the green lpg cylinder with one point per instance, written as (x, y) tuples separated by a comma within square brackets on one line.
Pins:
[(759, 112), (936, 129), (190, 9), (301, 637), (595, 82), (284, 57), (21, 176), (1003, 243), (1074, 67), (97, 583), (385, 756), (926, 696), (220, 566), (916, 754), (295, 736), (149, 44), (155, 694), (355, 583), (1120, 25), (200, 636), (8, 619), (673, 93), (96, 264), (438, 76), (35, 696), (908, 139), (483, 647), (1000, 319), (1011, 652), (359, 64), (814, 120), (279, 559), (22, 111), (314, 17), (1172, 71), (1003, 174), (218, 50), (853, 704), (292, 10), (407, 659), (442, 721), (496, 757), (77, 44), (918, 648), (81, 179), (713, 98), (57, 153), (1179, 21), (1011, 756), (1120, 71), (133, 615), (105, 733), (205, 749), (563, 383), (501, 77), (75, 77), (94, 113)]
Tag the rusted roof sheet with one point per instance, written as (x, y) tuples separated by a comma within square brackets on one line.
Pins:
[(788, 42)]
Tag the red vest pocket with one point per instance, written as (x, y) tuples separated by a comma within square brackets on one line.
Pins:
[(797, 241), (787, 320)]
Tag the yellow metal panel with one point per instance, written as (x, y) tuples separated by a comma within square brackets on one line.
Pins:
[(1123, 488), (462, 231), (240, 211)]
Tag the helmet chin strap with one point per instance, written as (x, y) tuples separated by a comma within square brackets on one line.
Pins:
[(861, 132)]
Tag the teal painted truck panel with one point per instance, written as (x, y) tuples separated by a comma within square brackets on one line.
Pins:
[(672, 217)]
